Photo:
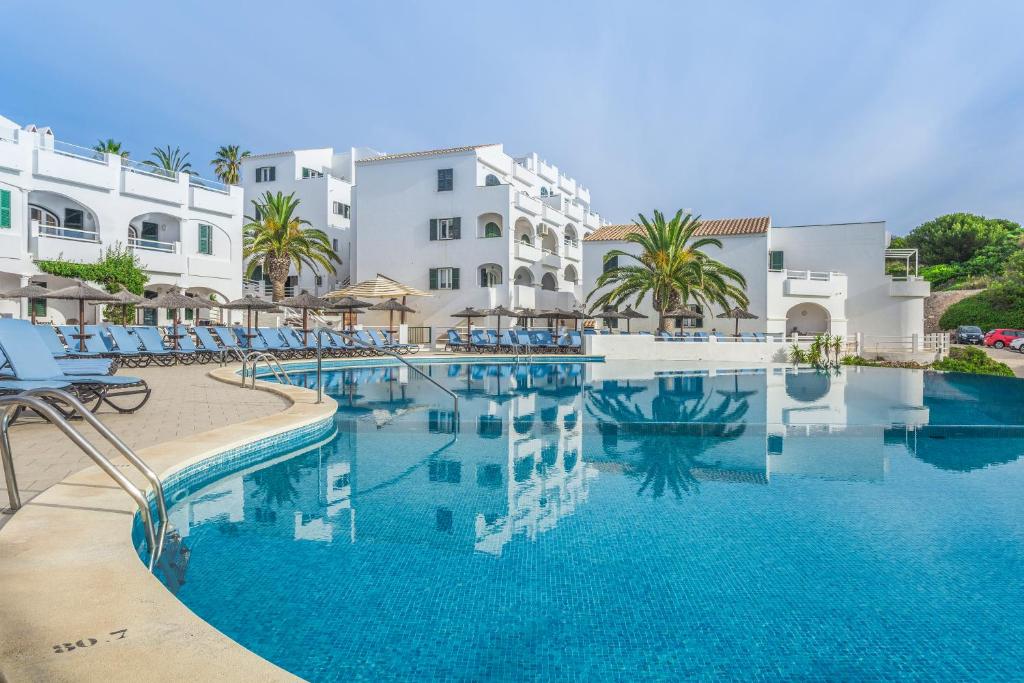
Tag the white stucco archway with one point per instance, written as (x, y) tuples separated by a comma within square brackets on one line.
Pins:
[(523, 276), (524, 231), (808, 318)]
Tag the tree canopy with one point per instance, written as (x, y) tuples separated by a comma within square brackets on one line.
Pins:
[(959, 237)]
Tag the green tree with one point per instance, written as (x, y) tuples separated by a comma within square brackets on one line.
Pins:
[(672, 267), (958, 237), (111, 146), (170, 160), (227, 165), (120, 266), (276, 240)]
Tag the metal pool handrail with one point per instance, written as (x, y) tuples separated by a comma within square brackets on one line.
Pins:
[(318, 333), (33, 401), (273, 363)]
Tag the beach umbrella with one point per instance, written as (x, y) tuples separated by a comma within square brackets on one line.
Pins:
[(631, 314), (305, 301), (683, 311), (174, 300), (469, 313), (391, 305), (122, 297), (611, 314), (499, 311), (250, 303), (28, 292), (579, 314), (349, 304), (529, 314), (737, 314), (81, 293)]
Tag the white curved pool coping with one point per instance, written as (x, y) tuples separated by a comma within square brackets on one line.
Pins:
[(69, 573)]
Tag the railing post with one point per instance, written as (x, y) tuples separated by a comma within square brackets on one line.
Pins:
[(859, 341), (915, 342), (13, 495)]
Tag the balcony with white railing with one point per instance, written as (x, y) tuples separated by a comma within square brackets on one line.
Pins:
[(151, 182), (73, 163), (547, 171), (524, 296), (810, 283), (567, 184), (571, 250), (70, 244), (592, 220), (583, 194), (553, 215), (550, 259), (11, 152), (527, 204), (527, 252), (912, 286), (524, 175), (155, 255), (574, 211), (214, 196)]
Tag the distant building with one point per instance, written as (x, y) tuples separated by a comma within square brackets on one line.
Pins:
[(806, 279), (63, 201)]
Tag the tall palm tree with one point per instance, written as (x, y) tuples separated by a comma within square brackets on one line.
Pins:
[(228, 164), (170, 160), (277, 240), (110, 146), (672, 267)]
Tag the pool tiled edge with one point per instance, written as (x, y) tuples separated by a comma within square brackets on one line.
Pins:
[(78, 603)]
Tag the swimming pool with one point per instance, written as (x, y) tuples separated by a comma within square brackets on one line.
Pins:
[(616, 520)]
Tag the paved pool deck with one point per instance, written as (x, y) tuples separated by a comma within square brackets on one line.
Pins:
[(185, 401)]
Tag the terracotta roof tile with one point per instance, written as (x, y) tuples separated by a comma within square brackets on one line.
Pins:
[(708, 227), (425, 153)]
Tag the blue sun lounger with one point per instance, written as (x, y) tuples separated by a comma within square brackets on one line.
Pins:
[(29, 361)]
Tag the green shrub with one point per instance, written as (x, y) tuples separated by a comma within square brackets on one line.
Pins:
[(119, 266), (998, 306), (942, 273), (974, 361)]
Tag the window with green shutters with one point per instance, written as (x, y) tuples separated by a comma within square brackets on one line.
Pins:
[(444, 278), (445, 229), (37, 307), (611, 263), (205, 239), (445, 180), (5, 208), (189, 314), (775, 260)]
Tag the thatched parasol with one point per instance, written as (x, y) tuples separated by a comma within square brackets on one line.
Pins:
[(529, 314), (305, 301), (631, 314), (250, 303), (174, 300), (737, 314), (611, 314), (28, 292), (122, 297), (81, 293), (349, 304), (500, 311), (391, 305), (469, 313)]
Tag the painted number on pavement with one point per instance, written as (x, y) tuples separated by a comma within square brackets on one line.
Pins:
[(88, 642)]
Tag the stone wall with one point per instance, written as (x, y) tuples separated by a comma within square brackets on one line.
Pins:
[(936, 304)]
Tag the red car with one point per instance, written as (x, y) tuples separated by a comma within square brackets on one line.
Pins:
[(1000, 338)]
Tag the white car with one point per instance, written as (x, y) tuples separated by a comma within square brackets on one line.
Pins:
[(1017, 345)]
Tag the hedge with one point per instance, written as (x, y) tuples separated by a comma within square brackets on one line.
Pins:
[(973, 361), (986, 310)]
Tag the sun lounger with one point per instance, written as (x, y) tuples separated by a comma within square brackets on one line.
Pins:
[(132, 353), (152, 342), (30, 361)]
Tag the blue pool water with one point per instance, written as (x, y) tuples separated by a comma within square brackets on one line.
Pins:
[(609, 521)]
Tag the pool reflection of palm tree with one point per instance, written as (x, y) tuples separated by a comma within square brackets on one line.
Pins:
[(659, 459), (276, 485)]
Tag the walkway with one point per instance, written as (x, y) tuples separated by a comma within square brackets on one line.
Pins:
[(1012, 358), (185, 401)]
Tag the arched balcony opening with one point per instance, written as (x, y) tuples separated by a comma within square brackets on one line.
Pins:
[(571, 237), (571, 275), (549, 283), (489, 225), (155, 232), (523, 276), (549, 241), (524, 231), (491, 180), (489, 274), (807, 319), (57, 215)]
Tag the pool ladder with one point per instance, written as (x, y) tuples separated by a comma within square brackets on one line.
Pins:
[(318, 335), (254, 357), (53, 411)]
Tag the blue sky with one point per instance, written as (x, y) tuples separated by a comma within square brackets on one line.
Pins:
[(805, 111)]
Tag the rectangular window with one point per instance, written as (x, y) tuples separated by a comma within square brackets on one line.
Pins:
[(334, 245), (189, 313), (694, 322), (343, 210), (310, 173), (611, 263), (775, 260), (37, 307), (266, 174), (205, 239), (319, 281), (444, 278), (445, 228), (74, 218), (5, 208), (445, 180)]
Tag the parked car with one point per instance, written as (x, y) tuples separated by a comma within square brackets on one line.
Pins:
[(969, 334), (1017, 345), (1002, 337)]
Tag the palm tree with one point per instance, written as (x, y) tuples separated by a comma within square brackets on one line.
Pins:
[(277, 240), (672, 267), (227, 165), (170, 160), (110, 146)]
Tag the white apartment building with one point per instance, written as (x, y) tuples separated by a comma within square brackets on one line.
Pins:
[(474, 227), (322, 180), (806, 279), (63, 201)]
